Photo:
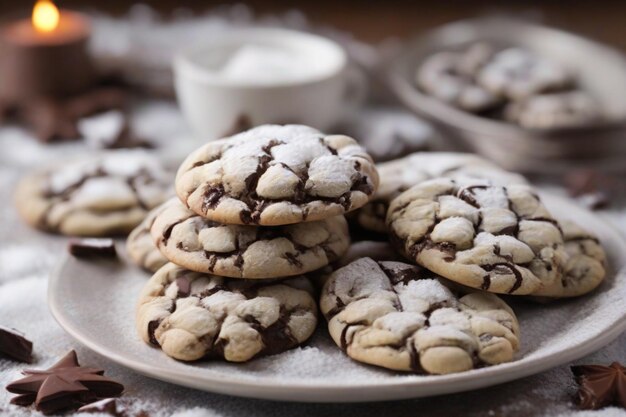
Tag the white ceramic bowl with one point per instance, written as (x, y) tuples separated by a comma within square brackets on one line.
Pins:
[(215, 105)]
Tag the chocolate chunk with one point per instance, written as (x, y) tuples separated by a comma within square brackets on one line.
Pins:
[(593, 188), (14, 345), (126, 140), (184, 287), (106, 406), (56, 119), (242, 122), (212, 196), (110, 130), (152, 326), (600, 386), (49, 120), (23, 400), (64, 386), (93, 248)]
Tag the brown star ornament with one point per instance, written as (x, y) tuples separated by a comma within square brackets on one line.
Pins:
[(600, 386), (66, 385)]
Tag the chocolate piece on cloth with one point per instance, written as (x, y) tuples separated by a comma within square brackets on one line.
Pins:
[(14, 345), (108, 406), (56, 119), (600, 386), (64, 386), (594, 189), (92, 248), (110, 130)]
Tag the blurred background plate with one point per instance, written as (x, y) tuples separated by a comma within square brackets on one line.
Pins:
[(95, 303), (600, 70)]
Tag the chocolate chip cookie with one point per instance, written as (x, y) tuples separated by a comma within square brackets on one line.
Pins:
[(516, 73), (241, 251), (556, 110), (140, 245), (401, 174), (585, 267), (404, 317), (191, 315), (275, 175), (450, 77), (97, 196), (498, 239)]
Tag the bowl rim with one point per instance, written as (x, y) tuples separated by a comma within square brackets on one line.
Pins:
[(184, 65)]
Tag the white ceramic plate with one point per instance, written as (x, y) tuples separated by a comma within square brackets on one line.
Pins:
[(95, 301)]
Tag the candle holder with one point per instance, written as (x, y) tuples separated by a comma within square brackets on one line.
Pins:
[(48, 80), (51, 64)]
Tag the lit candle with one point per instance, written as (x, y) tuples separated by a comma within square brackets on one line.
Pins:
[(45, 56)]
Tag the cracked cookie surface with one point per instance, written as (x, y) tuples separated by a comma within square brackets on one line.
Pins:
[(585, 267), (494, 238), (192, 315), (239, 251), (275, 175), (404, 317), (556, 110), (516, 73), (450, 77), (97, 196), (399, 175), (140, 245)]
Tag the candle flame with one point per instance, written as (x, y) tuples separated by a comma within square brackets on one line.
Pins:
[(45, 16)]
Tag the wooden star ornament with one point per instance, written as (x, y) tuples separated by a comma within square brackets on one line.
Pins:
[(600, 386), (66, 385)]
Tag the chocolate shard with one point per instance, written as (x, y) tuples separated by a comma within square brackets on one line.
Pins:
[(93, 248), (127, 140), (58, 393), (106, 406), (64, 386), (594, 189), (23, 400), (600, 386), (14, 345)]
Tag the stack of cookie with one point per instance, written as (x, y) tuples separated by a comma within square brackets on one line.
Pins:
[(474, 231), (513, 84), (254, 212)]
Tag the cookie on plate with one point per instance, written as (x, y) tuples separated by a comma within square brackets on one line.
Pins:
[(450, 77), (96, 196), (404, 317), (585, 267), (516, 73), (238, 251), (494, 238), (140, 245), (376, 250), (401, 174), (191, 315), (556, 110), (274, 175)]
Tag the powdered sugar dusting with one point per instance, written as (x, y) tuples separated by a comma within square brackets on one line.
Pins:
[(415, 293)]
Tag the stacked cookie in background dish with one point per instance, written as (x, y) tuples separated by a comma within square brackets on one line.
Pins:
[(512, 84), (255, 212)]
